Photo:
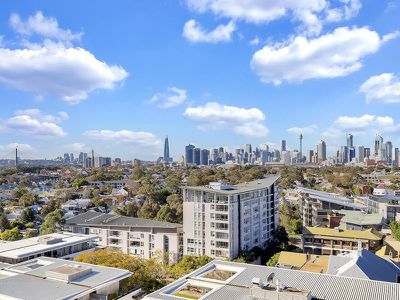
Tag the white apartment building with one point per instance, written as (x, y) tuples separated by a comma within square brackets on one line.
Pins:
[(139, 237), (221, 220)]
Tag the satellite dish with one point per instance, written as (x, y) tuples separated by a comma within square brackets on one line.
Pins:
[(271, 277)]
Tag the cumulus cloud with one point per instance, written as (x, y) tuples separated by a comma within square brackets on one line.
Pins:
[(243, 121), (172, 97), (255, 41), (43, 26), (302, 130), (383, 88), (34, 123), (140, 138), (361, 125), (22, 147), (195, 33), (335, 54), (76, 147), (311, 14), (54, 67)]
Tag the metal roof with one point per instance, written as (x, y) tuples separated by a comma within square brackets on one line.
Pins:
[(321, 286)]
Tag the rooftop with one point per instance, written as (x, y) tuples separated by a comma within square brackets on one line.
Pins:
[(239, 286), (35, 280), (239, 188), (360, 218), (102, 219), (303, 261), (44, 243), (347, 234)]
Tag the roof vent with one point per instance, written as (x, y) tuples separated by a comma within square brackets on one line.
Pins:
[(68, 272)]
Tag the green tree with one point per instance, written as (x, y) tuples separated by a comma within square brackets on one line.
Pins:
[(138, 172), (129, 210), (188, 264), (29, 233), (149, 209), (78, 182), (4, 223), (272, 262), (281, 237), (167, 214), (18, 192), (296, 226), (395, 228), (27, 215), (52, 205), (52, 222), (27, 199), (11, 234)]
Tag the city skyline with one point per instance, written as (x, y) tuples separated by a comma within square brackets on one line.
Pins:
[(196, 73)]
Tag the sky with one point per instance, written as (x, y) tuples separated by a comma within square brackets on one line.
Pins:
[(119, 76)]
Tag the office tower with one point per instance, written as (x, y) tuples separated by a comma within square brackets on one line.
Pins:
[(214, 156), (350, 147), (66, 158), (388, 151), (166, 158), (92, 158), (16, 157), (395, 157), (310, 156), (343, 154), (220, 221), (80, 158), (321, 151), (196, 156), (248, 148), (367, 152), (204, 154), (189, 154), (378, 144), (360, 153), (301, 147), (283, 145)]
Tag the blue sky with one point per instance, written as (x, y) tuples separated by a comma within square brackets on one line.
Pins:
[(119, 76)]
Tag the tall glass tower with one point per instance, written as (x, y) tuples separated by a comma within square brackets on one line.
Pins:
[(167, 159)]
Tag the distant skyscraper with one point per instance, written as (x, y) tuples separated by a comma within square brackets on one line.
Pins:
[(378, 144), (248, 148), (204, 154), (283, 146), (395, 157), (367, 152), (360, 153), (310, 156), (321, 151), (350, 147), (388, 152), (301, 147), (189, 154), (196, 156), (166, 158)]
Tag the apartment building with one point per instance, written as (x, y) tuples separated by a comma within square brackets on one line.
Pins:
[(221, 220), (139, 237), (386, 205), (316, 205), (333, 241)]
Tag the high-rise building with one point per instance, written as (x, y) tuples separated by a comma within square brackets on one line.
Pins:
[(321, 151), (166, 158), (196, 156), (189, 154), (378, 144), (301, 147), (350, 147), (204, 154), (395, 157), (214, 156), (220, 221), (248, 148), (388, 151), (367, 152), (310, 156), (360, 153), (283, 146)]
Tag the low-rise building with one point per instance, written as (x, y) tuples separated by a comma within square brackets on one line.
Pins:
[(358, 220), (47, 278), (50, 245), (333, 241), (223, 280), (386, 205), (139, 237)]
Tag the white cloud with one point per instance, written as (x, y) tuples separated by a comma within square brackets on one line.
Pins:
[(243, 121), (302, 130), (21, 147), (46, 27), (335, 54), (362, 125), (196, 34), (172, 97), (76, 147), (255, 41), (140, 138), (54, 67), (311, 14), (34, 123), (383, 88)]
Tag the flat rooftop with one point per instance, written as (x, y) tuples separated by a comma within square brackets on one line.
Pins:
[(360, 218), (33, 279), (41, 244), (239, 188), (347, 234), (102, 219), (238, 286)]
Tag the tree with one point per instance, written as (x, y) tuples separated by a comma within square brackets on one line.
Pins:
[(296, 226), (273, 261), (11, 234), (4, 223), (173, 183), (149, 209), (27, 199), (29, 233), (27, 215), (395, 228), (78, 182), (281, 237), (167, 214), (52, 205), (129, 210), (51, 222), (138, 172), (18, 192), (189, 264)]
